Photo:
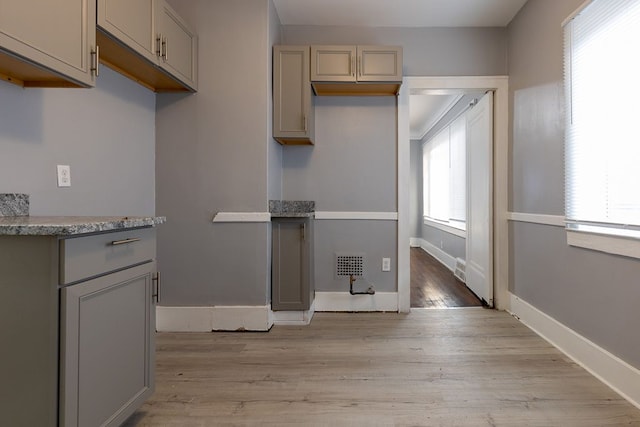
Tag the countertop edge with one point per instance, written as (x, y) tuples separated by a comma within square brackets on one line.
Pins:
[(71, 226)]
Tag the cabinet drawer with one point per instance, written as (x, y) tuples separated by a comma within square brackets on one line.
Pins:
[(91, 256)]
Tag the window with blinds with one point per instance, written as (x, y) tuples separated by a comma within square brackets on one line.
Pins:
[(444, 175), (602, 144)]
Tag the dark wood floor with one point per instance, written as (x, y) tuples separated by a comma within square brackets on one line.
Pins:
[(434, 286)]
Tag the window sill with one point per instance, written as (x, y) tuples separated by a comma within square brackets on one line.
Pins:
[(440, 225), (623, 242)]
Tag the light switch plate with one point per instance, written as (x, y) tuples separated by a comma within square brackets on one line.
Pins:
[(386, 264), (64, 176)]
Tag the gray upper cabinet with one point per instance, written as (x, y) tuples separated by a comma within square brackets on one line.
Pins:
[(293, 114), (130, 22), (356, 70), (178, 45), (149, 42), (47, 43)]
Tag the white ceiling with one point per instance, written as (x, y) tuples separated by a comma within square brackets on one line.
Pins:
[(399, 13)]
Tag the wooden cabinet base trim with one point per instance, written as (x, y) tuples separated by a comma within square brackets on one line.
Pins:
[(294, 141), (356, 89), (130, 64), (25, 74)]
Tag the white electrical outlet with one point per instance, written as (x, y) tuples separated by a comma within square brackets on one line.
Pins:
[(64, 176), (386, 264)]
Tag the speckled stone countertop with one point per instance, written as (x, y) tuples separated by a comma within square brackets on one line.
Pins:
[(14, 204), (292, 208), (72, 225)]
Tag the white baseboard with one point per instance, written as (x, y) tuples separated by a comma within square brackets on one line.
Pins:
[(218, 318), (414, 242), (623, 378), (444, 258), (293, 317), (344, 301)]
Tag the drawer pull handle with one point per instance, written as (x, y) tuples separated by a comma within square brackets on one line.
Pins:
[(124, 241), (156, 280)]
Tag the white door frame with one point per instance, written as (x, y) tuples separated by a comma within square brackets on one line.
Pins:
[(500, 86)]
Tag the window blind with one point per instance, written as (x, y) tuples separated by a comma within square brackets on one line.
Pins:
[(436, 176), (602, 144)]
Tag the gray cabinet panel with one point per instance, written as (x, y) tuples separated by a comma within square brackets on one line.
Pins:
[(293, 115), (379, 64), (131, 22), (292, 268), (333, 63), (89, 256), (148, 42), (29, 331), (46, 43), (107, 342), (356, 70), (178, 45)]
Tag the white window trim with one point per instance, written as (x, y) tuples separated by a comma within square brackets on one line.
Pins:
[(625, 242), (444, 226)]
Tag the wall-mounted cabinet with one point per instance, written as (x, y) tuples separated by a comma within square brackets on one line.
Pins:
[(356, 70), (149, 42), (293, 114), (48, 43)]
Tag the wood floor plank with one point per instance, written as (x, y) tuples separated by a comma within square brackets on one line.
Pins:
[(466, 367), (434, 286)]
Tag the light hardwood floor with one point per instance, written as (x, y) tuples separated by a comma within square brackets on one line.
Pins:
[(463, 367)]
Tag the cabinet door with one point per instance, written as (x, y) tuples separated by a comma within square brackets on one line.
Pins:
[(290, 282), (379, 64), (107, 348), (293, 118), (178, 45), (131, 22), (333, 63), (57, 35)]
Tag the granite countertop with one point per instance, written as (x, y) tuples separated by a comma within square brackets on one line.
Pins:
[(72, 225), (292, 208)]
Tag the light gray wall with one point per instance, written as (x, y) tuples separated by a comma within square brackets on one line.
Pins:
[(449, 243), (427, 51), (374, 239), (213, 155), (590, 292), (351, 167), (275, 149), (106, 134), (415, 189)]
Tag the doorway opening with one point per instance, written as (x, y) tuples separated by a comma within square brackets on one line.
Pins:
[(444, 168), (489, 248)]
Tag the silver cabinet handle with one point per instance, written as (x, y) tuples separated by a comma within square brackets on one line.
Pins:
[(156, 280), (124, 241), (165, 49), (360, 66), (159, 45), (352, 66), (95, 67)]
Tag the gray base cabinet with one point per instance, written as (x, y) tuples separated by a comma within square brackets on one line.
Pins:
[(107, 348), (78, 324), (292, 287)]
